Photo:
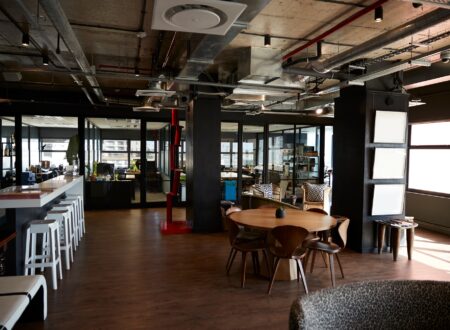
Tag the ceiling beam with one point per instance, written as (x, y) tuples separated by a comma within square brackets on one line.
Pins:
[(421, 77)]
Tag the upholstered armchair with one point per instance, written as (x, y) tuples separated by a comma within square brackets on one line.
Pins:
[(317, 196), (268, 190)]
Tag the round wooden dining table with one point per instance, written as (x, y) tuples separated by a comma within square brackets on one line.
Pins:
[(264, 218)]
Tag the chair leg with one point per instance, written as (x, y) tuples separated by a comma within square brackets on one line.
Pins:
[(244, 264), (333, 281), (266, 260), (324, 258), (255, 261), (302, 273), (229, 259), (313, 260), (340, 266), (233, 252), (277, 262), (306, 259)]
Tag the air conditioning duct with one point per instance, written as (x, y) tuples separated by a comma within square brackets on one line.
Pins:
[(259, 65)]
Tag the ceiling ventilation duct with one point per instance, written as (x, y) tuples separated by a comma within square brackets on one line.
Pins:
[(196, 16), (259, 65), (212, 45), (154, 90)]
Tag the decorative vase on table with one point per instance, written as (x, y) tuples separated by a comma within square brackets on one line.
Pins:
[(280, 212)]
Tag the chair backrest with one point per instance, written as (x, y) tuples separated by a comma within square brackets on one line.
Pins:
[(233, 228), (287, 240), (339, 233), (375, 305), (232, 209), (317, 210)]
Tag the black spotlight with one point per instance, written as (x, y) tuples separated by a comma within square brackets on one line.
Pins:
[(45, 59), (25, 39), (378, 14), (266, 40)]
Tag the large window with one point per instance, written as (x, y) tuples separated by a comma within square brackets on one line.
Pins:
[(429, 158), (229, 146), (116, 152), (54, 150)]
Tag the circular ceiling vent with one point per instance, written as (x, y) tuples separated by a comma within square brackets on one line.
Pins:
[(195, 17)]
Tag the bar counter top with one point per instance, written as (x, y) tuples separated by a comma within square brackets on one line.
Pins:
[(39, 194)]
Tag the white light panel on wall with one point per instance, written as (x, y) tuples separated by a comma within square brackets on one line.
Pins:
[(390, 127), (389, 163), (388, 199)]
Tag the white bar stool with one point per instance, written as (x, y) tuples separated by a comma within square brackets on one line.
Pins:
[(75, 214), (81, 223), (72, 221), (65, 231), (50, 251)]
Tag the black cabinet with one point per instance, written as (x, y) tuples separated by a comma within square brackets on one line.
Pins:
[(109, 194)]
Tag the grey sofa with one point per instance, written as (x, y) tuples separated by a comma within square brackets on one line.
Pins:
[(375, 305)]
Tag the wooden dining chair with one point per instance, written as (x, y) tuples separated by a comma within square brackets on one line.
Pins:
[(317, 210), (245, 243), (330, 248), (287, 244), (316, 236)]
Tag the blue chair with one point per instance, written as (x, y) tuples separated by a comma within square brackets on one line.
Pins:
[(28, 178)]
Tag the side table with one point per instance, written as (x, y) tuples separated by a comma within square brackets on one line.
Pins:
[(396, 226)]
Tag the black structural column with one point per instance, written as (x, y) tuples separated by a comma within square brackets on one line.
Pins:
[(203, 164), (353, 154)]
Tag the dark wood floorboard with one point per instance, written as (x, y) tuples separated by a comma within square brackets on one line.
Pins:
[(127, 275)]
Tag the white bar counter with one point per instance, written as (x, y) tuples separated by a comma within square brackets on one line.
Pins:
[(22, 204), (40, 194)]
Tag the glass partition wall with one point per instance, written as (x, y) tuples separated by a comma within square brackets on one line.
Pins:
[(229, 152), (281, 158), (114, 162), (8, 172), (252, 156), (157, 177)]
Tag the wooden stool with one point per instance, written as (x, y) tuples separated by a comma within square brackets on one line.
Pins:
[(396, 227), (51, 253)]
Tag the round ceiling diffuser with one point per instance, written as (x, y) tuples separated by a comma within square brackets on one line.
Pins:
[(195, 17)]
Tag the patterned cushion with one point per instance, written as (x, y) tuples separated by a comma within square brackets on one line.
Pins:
[(314, 192), (264, 189)]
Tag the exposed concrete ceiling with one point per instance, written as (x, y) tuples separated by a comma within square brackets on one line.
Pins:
[(119, 44)]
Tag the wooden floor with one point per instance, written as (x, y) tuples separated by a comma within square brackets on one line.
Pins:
[(127, 275)]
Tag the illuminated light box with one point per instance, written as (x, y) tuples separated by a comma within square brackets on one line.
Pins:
[(390, 127), (389, 163), (388, 199)]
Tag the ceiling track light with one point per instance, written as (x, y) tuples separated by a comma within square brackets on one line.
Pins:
[(45, 59), (378, 14), (267, 40), (25, 39), (58, 50), (136, 72)]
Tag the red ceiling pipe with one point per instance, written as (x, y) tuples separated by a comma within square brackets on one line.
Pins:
[(335, 28)]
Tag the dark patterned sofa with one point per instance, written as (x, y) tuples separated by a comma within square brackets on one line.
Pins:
[(375, 305)]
